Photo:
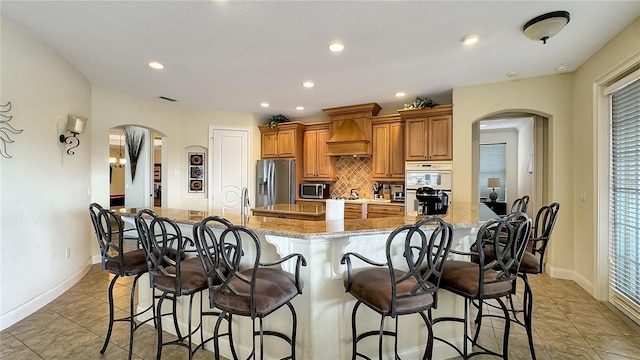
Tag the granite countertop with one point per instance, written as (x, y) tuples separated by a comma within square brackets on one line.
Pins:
[(460, 215), (298, 209)]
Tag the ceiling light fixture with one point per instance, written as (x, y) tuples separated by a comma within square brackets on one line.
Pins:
[(545, 26), (562, 68), (264, 105), (156, 65), (300, 108), (308, 84), (336, 47), (399, 94), (512, 75), (470, 39)]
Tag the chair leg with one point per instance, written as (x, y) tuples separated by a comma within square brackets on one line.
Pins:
[(132, 322), (294, 329), (354, 342), (528, 310), (189, 327), (159, 349), (110, 328), (507, 327), (428, 352), (478, 322), (380, 336)]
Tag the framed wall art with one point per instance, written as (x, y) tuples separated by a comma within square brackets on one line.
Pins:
[(196, 172)]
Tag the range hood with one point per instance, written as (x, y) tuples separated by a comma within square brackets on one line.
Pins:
[(351, 129)]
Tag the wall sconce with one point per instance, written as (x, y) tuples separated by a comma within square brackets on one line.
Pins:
[(75, 125)]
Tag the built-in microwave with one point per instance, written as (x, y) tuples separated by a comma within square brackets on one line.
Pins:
[(314, 191)]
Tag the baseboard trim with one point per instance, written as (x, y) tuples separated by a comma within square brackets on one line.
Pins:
[(13, 316), (568, 274)]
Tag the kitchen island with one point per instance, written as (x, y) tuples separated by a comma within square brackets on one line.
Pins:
[(324, 309), (292, 211)]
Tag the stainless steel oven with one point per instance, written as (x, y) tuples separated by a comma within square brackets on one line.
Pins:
[(434, 174)]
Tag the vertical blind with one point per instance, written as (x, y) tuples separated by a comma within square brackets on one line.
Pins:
[(624, 199), (493, 163)]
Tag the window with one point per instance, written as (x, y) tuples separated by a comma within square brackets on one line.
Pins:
[(624, 197), (493, 164)]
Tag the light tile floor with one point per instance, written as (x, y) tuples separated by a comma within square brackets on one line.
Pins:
[(568, 324)]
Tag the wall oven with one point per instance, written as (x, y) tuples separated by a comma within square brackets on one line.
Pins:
[(418, 174)]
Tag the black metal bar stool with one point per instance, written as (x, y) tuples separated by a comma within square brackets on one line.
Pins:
[(481, 278), (255, 290), (109, 229), (404, 285), (172, 273)]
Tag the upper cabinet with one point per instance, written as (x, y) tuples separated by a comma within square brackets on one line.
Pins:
[(388, 148), (317, 165), (428, 133), (283, 141)]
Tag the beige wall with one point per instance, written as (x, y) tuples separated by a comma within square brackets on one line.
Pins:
[(590, 122), (549, 96), (44, 194)]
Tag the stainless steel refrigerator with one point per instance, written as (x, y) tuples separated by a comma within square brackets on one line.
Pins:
[(276, 182)]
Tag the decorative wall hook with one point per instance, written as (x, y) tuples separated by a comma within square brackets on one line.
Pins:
[(6, 128), (75, 125)]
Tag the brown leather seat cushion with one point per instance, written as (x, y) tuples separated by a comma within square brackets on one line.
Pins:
[(273, 289), (192, 276), (529, 264), (463, 277), (134, 263), (372, 286)]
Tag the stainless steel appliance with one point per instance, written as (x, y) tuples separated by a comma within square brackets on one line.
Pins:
[(276, 182), (314, 191), (397, 193), (418, 174), (432, 202)]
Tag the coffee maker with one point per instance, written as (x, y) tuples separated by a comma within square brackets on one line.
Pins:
[(431, 202)]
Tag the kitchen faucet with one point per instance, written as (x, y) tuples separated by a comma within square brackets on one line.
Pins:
[(245, 202)]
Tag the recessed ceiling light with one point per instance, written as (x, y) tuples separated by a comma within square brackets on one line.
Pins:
[(156, 65), (299, 107), (470, 39), (336, 47), (308, 84), (562, 68), (264, 105), (399, 94)]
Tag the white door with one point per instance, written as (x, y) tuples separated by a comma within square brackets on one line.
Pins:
[(229, 154)]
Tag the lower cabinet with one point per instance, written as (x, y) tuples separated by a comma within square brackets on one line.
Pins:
[(353, 211), (290, 216), (382, 210)]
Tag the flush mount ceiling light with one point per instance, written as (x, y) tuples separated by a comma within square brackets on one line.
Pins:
[(300, 108), (307, 84), (156, 65), (562, 68), (470, 39), (542, 27), (264, 105), (336, 47), (399, 94)]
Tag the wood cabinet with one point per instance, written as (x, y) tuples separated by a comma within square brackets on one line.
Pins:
[(384, 210), (388, 148), (317, 165), (353, 211), (308, 217), (283, 141), (428, 133), (310, 202)]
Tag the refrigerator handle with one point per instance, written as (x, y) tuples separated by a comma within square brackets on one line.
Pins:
[(272, 187)]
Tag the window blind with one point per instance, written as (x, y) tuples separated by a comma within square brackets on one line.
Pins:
[(493, 163), (624, 200)]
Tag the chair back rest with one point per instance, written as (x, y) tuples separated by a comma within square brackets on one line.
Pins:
[(109, 229), (164, 246), (208, 246), (520, 205), (422, 257), (545, 222), (508, 238)]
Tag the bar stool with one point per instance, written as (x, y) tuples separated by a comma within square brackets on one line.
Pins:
[(173, 278), (482, 279), (405, 284), (109, 229), (520, 204), (532, 263), (254, 292)]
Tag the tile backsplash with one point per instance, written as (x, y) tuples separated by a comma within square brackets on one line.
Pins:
[(353, 172)]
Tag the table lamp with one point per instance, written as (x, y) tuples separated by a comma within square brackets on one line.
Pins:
[(493, 183)]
